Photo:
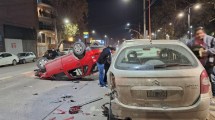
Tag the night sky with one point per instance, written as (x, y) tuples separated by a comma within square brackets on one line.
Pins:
[(110, 17)]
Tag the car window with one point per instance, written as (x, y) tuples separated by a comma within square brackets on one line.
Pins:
[(21, 54), (7, 55), (31, 54), (154, 57), (27, 54)]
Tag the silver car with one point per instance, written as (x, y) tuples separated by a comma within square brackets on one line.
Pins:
[(160, 79), (26, 57)]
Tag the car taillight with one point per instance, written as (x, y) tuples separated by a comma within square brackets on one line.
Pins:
[(204, 82)]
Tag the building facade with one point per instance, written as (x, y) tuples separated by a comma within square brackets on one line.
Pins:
[(18, 25), (47, 32), (27, 26)]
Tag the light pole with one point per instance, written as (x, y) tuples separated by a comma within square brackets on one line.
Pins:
[(180, 15), (128, 27), (106, 39), (144, 16)]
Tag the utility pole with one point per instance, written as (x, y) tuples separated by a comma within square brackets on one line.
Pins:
[(189, 31), (150, 20), (144, 18)]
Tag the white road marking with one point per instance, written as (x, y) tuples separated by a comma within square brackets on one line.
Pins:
[(6, 77)]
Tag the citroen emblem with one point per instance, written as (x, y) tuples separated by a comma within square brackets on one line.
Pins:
[(156, 83)]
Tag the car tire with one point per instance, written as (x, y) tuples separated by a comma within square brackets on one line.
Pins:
[(41, 63), (23, 61), (14, 62), (79, 49), (34, 60)]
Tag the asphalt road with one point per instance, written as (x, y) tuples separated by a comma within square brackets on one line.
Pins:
[(25, 97)]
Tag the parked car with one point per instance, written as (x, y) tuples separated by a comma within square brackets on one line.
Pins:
[(67, 51), (8, 59), (171, 84), (26, 57)]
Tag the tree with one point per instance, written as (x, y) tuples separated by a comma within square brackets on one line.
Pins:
[(75, 10), (166, 12), (70, 30)]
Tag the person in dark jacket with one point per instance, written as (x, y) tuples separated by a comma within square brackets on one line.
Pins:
[(206, 45), (107, 66), (104, 56)]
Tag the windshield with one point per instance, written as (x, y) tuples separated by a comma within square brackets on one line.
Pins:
[(155, 57), (21, 54)]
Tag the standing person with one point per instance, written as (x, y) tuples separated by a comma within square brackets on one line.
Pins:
[(206, 52), (54, 53), (100, 64), (107, 65)]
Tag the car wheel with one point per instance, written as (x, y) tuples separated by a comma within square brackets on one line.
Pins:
[(23, 61), (14, 62), (34, 60), (79, 49), (41, 63)]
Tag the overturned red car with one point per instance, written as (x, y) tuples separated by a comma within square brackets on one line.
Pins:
[(80, 63)]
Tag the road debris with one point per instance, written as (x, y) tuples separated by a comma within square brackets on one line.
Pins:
[(58, 111), (86, 114), (70, 118), (74, 87), (76, 109), (35, 94), (72, 101), (66, 96), (57, 101)]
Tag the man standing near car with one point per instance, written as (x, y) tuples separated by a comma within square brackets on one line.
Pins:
[(107, 64), (104, 56), (206, 52)]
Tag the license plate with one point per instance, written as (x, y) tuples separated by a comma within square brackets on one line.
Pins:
[(160, 94)]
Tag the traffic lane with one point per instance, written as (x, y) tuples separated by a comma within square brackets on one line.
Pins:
[(21, 94), (10, 71)]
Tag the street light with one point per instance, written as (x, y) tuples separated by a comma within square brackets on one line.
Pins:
[(170, 24), (197, 6), (93, 31), (66, 21), (159, 30), (105, 36), (180, 15), (128, 24), (126, 1)]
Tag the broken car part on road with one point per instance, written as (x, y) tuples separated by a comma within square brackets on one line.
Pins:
[(76, 109)]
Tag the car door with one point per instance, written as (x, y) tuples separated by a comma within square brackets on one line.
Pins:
[(2, 59), (27, 57), (8, 58)]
